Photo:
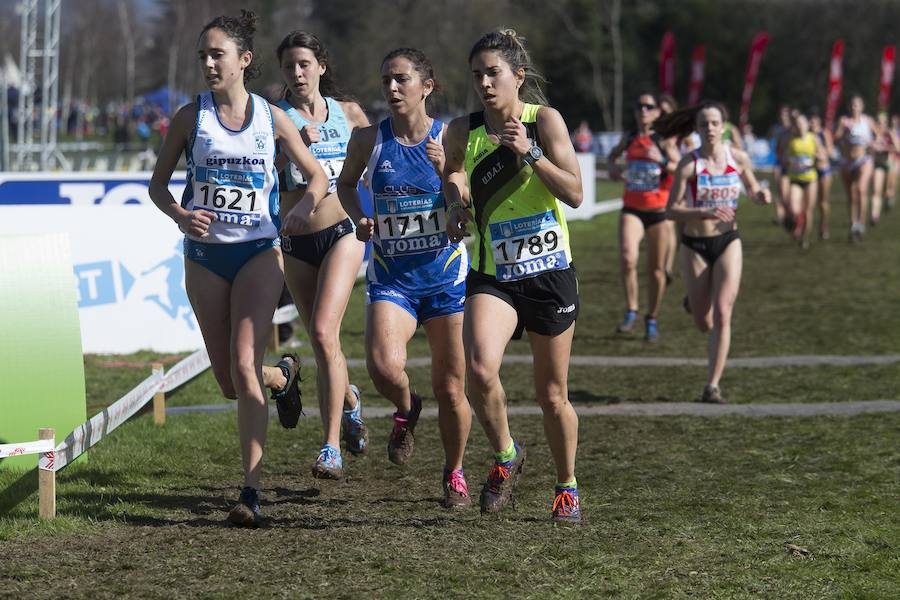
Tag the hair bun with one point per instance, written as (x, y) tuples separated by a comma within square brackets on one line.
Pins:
[(248, 20)]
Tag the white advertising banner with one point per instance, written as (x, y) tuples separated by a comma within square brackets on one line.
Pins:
[(129, 271)]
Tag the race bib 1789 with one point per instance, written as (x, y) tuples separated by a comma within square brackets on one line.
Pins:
[(528, 246)]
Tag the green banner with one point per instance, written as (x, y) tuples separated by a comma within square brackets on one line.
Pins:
[(41, 363)]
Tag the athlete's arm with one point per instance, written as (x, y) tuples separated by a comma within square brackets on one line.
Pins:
[(297, 220), (196, 222), (669, 148), (435, 152), (355, 115), (359, 149), (456, 188), (841, 130), (559, 170), (758, 194), (615, 173)]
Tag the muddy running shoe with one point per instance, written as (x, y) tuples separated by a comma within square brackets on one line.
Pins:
[(287, 399), (566, 507), (456, 491), (628, 323), (402, 441), (328, 464), (652, 330), (355, 432), (712, 395), (246, 512), (497, 491)]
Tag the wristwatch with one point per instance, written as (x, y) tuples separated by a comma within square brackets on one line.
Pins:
[(533, 155)]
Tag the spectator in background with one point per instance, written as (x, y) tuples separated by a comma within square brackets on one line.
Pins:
[(583, 138)]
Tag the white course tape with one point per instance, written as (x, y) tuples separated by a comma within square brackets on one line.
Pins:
[(87, 434), (22, 448), (185, 370), (285, 314)]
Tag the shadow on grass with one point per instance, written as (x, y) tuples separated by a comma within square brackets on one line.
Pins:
[(20, 489)]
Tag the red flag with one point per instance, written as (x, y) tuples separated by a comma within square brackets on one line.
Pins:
[(667, 64), (887, 77), (698, 69), (757, 48), (835, 80)]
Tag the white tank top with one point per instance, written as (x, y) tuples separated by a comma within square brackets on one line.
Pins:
[(860, 134), (232, 174)]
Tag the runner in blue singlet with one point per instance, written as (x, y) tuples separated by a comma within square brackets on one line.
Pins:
[(416, 275)]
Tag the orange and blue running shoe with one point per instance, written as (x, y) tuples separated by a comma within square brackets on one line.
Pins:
[(497, 491), (566, 506)]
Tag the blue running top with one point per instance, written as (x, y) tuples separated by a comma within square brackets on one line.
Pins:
[(330, 150), (411, 249)]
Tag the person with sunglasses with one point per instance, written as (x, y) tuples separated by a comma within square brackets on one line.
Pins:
[(650, 161)]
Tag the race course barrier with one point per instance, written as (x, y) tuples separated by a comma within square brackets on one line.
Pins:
[(53, 457)]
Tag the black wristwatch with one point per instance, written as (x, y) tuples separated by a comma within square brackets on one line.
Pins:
[(533, 155)]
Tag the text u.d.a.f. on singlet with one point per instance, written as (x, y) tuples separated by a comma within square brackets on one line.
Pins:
[(330, 150), (521, 231), (411, 249), (708, 190), (647, 184), (232, 173)]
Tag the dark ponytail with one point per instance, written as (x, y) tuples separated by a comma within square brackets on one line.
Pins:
[(682, 122), (240, 30)]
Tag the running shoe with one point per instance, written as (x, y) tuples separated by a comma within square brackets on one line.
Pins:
[(246, 512), (823, 234), (566, 508), (628, 323), (287, 399), (328, 465), (402, 441), (652, 330), (712, 394), (497, 491), (456, 491), (355, 432)]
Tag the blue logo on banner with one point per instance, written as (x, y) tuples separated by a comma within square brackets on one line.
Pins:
[(177, 302), (96, 284)]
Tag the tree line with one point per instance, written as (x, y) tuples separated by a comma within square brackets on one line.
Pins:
[(596, 54)]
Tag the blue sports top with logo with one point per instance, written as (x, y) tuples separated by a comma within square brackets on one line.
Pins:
[(232, 174), (411, 249), (330, 150), (708, 190)]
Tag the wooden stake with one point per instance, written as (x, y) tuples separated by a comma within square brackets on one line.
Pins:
[(275, 346), (159, 399), (47, 482)]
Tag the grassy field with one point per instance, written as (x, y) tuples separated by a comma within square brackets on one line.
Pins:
[(675, 507)]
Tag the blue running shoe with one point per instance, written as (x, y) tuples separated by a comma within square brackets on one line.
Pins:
[(355, 432), (566, 506), (246, 512), (628, 323), (328, 465), (652, 330)]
